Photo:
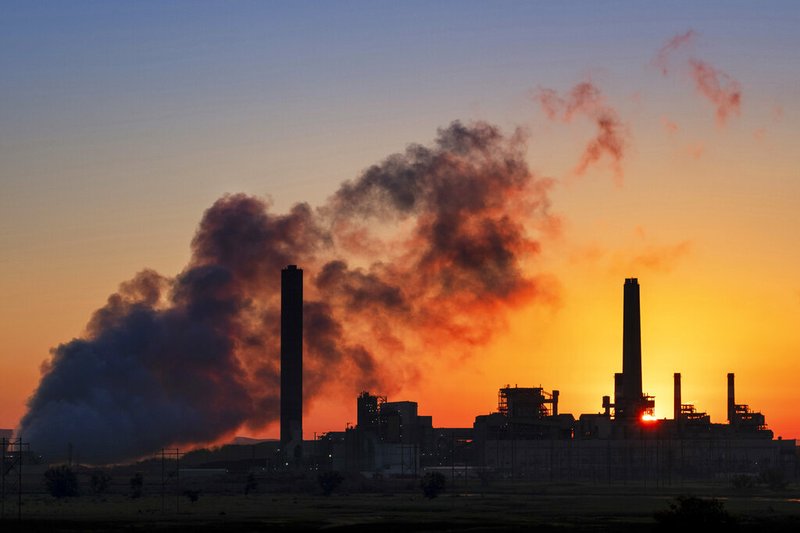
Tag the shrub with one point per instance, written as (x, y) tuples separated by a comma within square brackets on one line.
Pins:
[(61, 481), (432, 483), (137, 485), (743, 482), (251, 485), (690, 510), (773, 478), (193, 495), (328, 481), (99, 482)]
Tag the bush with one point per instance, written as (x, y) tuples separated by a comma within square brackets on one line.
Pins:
[(743, 482), (137, 485), (251, 485), (61, 481), (773, 478), (432, 483), (99, 482), (193, 495), (328, 481), (690, 510)]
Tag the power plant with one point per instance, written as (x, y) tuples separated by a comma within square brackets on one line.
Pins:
[(528, 437)]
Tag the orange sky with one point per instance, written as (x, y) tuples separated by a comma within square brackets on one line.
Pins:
[(115, 176)]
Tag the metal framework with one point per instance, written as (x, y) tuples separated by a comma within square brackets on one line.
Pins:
[(13, 454), (170, 477), (529, 402)]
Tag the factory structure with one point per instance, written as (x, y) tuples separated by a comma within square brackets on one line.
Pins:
[(527, 437)]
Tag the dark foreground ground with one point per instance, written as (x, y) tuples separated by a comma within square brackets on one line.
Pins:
[(540, 508)]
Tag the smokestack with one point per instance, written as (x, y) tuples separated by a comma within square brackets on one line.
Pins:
[(555, 402), (731, 399), (619, 398), (631, 350), (292, 361), (676, 408)]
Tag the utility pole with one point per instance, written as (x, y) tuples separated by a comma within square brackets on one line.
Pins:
[(13, 451)]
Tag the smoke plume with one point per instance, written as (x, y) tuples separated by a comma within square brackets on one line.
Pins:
[(716, 86), (659, 258), (681, 40), (586, 99), (428, 249)]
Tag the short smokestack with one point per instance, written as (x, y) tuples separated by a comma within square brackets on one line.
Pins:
[(555, 402), (676, 408), (731, 399), (631, 350), (619, 398), (292, 361)]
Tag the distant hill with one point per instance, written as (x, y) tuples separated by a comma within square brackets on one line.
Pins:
[(249, 440)]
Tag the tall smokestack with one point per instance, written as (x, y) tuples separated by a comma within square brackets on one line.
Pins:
[(731, 399), (676, 408), (631, 350), (292, 361)]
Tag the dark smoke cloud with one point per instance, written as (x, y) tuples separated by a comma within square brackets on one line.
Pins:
[(716, 86), (144, 377), (190, 359), (585, 99), (359, 290)]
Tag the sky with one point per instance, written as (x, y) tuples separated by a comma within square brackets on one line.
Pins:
[(665, 136)]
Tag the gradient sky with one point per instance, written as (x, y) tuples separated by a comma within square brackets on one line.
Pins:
[(121, 122)]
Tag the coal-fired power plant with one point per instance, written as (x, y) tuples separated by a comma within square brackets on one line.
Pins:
[(527, 436), (292, 362)]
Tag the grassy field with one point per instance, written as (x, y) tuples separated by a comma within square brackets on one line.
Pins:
[(504, 508)]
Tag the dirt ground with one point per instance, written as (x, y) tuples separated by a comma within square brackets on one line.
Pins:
[(499, 508)]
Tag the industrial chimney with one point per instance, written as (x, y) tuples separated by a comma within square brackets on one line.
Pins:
[(555, 402), (676, 399), (619, 398), (731, 399), (292, 362), (631, 351)]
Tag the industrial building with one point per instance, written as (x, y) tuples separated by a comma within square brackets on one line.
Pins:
[(527, 437)]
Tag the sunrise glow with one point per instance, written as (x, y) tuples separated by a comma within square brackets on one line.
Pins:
[(549, 151)]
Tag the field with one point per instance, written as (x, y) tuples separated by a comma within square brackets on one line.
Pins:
[(402, 507)]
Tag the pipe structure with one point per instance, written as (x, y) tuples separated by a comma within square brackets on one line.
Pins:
[(676, 407)]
